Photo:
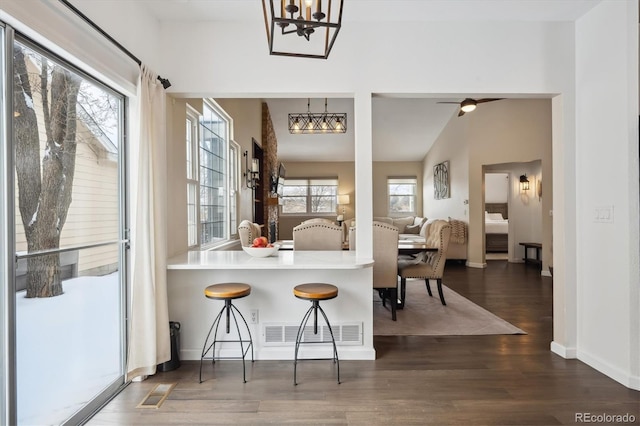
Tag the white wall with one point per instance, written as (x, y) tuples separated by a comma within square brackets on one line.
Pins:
[(608, 336), (497, 133), (452, 145), (525, 210), (590, 68), (51, 23), (496, 187)]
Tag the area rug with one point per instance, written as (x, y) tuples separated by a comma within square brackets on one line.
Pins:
[(426, 316)]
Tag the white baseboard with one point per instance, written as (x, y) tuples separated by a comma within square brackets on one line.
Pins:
[(628, 380), (286, 353), (546, 273), (563, 351), (476, 265), (620, 376)]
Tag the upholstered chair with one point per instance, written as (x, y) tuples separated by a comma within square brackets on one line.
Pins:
[(352, 238), (248, 231), (385, 266), (317, 220), (317, 236), (346, 229), (431, 265)]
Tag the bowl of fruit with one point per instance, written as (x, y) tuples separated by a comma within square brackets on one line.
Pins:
[(261, 248)]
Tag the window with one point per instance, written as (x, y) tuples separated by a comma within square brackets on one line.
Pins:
[(192, 177), (310, 196), (402, 195), (212, 177)]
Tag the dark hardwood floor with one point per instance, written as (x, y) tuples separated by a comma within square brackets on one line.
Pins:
[(416, 380)]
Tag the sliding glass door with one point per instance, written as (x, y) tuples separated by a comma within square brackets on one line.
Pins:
[(7, 383), (68, 237)]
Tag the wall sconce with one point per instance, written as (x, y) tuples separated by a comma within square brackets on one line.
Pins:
[(539, 189), (252, 175), (524, 183)]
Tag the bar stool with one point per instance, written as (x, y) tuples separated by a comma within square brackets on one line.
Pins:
[(314, 292), (227, 292)]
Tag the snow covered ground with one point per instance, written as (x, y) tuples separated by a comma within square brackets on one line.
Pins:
[(68, 348)]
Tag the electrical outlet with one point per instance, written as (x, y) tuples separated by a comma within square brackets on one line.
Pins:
[(253, 316)]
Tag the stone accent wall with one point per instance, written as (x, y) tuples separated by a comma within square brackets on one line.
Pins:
[(270, 162)]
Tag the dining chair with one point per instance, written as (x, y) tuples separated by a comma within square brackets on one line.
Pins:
[(317, 236), (318, 220), (248, 231), (385, 266), (430, 266)]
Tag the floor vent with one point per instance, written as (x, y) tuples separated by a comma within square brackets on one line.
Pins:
[(280, 334), (157, 395)]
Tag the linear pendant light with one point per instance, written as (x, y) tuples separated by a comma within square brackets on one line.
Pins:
[(319, 123)]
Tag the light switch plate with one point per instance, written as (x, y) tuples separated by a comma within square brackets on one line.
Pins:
[(603, 214)]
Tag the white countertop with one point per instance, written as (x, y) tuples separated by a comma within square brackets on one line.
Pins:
[(237, 259)]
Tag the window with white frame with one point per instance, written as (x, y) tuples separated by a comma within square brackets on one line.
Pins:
[(212, 177), (402, 195), (192, 177), (305, 196)]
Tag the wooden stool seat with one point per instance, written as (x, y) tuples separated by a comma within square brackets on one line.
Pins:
[(227, 291), (315, 291)]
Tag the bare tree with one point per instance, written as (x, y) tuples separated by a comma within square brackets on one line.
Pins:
[(322, 198), (44, 186)]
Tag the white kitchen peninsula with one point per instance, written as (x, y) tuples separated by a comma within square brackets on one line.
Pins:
[(279, 312)]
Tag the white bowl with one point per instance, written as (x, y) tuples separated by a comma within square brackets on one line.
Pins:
[(261, 251)]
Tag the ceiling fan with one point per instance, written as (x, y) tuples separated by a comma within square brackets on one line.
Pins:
[(469, 104)]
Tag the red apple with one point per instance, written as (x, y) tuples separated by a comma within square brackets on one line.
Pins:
[(259, 242)]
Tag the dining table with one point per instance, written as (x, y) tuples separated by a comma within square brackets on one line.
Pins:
[(405, 247), (412, 247)]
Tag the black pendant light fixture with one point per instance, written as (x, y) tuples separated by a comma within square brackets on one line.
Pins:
[(302, 28), (318, 123)]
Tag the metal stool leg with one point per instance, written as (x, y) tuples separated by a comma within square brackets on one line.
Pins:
[(246, 324), (206, 349), (333, 340), (230, 311), (303, 325), (250, 346), (315, 306)]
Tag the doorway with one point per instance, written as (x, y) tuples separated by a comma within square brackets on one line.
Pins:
[(496, 215)]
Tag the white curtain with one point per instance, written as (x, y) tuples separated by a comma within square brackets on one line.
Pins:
[(149, 341)]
